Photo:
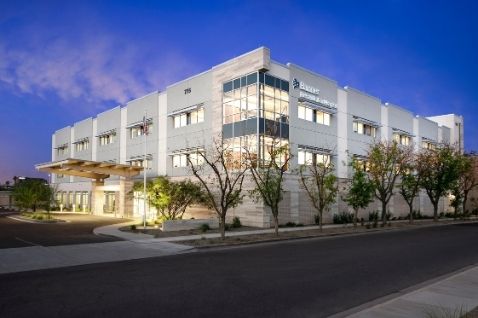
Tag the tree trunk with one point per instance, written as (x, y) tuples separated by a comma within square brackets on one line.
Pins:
[(384, 212), (411, 213), (435, 212), (465, 198), (276, 225), (222, 226), (320, 221), (355, 217)]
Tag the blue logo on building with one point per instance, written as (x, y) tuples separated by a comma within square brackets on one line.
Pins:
[(295, 83)]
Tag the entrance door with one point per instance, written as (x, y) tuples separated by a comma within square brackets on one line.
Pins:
[(110, 202)]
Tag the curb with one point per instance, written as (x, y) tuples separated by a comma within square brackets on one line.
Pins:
[(27, 220)]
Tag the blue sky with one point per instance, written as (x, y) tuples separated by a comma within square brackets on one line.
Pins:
[(63, 61)]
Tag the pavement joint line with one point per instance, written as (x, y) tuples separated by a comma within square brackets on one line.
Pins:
[(25, 241), (388, 299)]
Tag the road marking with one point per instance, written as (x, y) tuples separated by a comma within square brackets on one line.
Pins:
[(28, 242)]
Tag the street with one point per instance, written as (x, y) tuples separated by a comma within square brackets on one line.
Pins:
[(302, 278)]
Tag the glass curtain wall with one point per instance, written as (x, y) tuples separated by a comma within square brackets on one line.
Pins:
[(257, 107)]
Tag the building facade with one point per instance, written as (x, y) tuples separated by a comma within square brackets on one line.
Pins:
[(248, 99)]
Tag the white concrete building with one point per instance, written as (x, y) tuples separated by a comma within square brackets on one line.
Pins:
[(240, 99)]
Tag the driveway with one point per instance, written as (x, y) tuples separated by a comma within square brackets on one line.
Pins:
[(78, 230)]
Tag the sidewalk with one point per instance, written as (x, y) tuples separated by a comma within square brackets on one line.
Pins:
[(113, 230), (448, 297)]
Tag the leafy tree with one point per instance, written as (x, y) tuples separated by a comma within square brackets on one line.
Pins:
[(410, 186), (221, 175), (439, 170), (360, 190), (268, 177), (386, 161), (468, 178), (32, 193), (171, 198), (320, 183)]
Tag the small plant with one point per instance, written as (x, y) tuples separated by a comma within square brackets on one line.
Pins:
[(204, 227), (343, 218), (132, 227), (373, 216), (290, 224), (236, 222)]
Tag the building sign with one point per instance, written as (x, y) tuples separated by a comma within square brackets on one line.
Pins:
[(311, 93)]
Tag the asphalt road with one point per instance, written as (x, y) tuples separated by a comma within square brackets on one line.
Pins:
[(307, 278), (78, 230)]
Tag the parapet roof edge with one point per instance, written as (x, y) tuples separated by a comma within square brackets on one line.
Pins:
[(387, 104), (108, 110), (188, 78), (311, 72), (144, 96), (240, 56), (427, 119), (355, 90), (63, 128), (80, 121)]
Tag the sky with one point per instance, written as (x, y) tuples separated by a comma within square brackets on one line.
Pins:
[(64, 61)]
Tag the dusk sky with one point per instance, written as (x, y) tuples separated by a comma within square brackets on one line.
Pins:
[(64, 61)]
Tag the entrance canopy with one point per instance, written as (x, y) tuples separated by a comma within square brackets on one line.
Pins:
[(89, 169)]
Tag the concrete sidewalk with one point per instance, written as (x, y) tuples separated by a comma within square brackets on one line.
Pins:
[(449, 297), (43, 257)]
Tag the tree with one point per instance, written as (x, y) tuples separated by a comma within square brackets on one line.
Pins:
[(410, 186), (439, 170), (386, 161), (171, 198), (360, 191), (220, 172), (320, 183), (32, 193), (268, 176), (468, 179)]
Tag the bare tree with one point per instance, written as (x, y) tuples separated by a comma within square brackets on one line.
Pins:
[(320, 183), (386, 161), (221, 175), (268, 176), (469, 177)]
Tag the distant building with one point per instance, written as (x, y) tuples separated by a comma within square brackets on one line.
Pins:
[(237, 99)]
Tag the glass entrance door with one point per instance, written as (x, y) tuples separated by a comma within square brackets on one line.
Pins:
[(110, 202)]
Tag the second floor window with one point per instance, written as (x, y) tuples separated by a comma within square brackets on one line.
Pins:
[(313, 115), (82, 145), (401, 139), (364, 129), (62, 150), (189, 118), (306, 157), (106, 139)]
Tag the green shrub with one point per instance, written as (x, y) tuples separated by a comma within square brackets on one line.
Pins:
[(290, 224), (236, 222), (373, 216), (227, 227), (132, 227), (205, 227), (343, 218), (317, 219)]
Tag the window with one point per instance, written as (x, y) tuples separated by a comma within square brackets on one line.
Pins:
[(181, 160), (62, 150), (141, 163), (106, 139), (139, 129), (308, 157), (428, 145), (82, 145), (364, 129), (242, 98), (189, 118), (313, 115), (401, 139)]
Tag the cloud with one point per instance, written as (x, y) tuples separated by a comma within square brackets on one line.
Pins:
[(93, 69)]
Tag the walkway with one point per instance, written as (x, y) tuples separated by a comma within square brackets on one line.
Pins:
[(450, 297)]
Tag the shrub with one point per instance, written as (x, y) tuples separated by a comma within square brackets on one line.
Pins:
[(299, 224), (205, 227), (227, 227), (343, 218), (373, 216), (290, 224), (236, 222)]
